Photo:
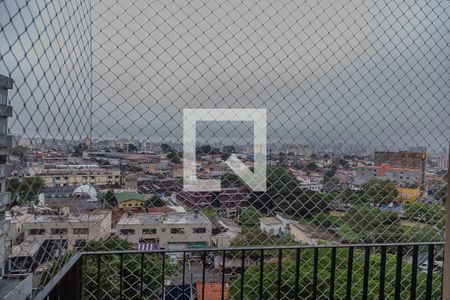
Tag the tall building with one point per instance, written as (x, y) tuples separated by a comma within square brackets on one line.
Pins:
[(6, 83)]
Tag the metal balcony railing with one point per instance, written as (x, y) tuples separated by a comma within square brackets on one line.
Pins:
[(391, 271)]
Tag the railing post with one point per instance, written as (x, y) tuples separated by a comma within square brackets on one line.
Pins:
[(446, 287), (70, 286)]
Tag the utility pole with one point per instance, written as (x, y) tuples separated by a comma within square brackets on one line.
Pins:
[(446, 280)]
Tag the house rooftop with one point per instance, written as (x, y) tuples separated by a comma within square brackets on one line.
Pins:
[(94, 216), (164, 218), (270, 221)]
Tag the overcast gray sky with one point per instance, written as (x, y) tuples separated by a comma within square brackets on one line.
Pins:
[(367, 72)]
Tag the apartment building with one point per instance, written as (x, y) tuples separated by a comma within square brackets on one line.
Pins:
[(404, 160), (71, 230), (6, 83), (228, 201), (401, 176), (73, 175), (167, 230)]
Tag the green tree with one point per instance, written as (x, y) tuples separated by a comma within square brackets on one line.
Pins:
[(154, 201), (330, 183), (298, 166), (288, 271), (111, 273), (312, 166), (426, 213), (25, 190), (173, 157), (441, 193), (109, 198), (231, 180), (132, 148), (79, 149), (365, 224), (19, 151), (224, 156), (378, 191), (165, 147), (103, 162), (250, 217), (284, 194)]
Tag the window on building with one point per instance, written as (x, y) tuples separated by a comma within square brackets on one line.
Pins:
[(176, 230), (163, 230), (127, 231), (35, 231), (149, 231), (81, 231), (59, 230), (199, 230)]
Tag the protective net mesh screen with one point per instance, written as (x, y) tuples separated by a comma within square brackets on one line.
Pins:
[(356, 146)]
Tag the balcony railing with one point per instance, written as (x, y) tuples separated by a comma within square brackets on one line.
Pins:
[(368, 271)]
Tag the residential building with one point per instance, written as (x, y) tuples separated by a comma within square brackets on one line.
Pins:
[(271, 226), (74, 175), (6, 83), (401, 176), (228, 201), (71, 230), (129, 200), (168, 230), (403, 160)]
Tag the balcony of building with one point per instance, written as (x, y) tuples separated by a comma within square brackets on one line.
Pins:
[(371, 271)]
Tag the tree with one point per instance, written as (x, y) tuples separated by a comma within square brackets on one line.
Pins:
[(379, 191), (250, 217), (154, 201), (441, 194), (165, 148), (25, 190), (79, 149), (312, 166), (298, 166), (330, 183), (426, 213), (288, 267), (173, 157), (365, 224), (110, 198), (285, 194), (20, 151), (132, 148), (224, 156), (111, 273), (103, 162), (231, 180)]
